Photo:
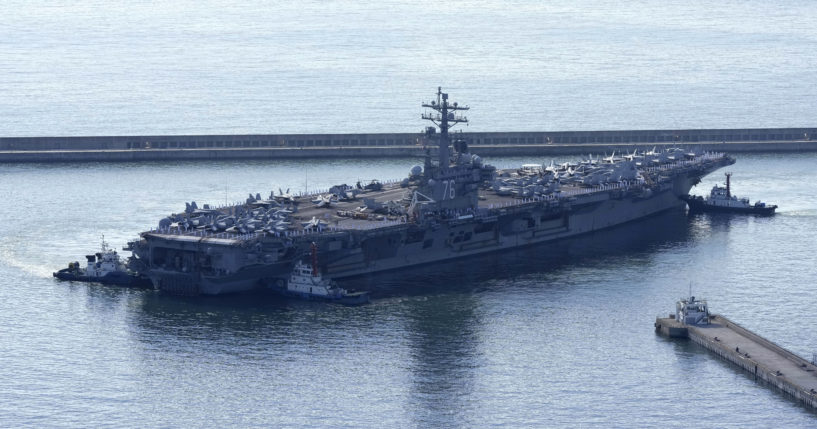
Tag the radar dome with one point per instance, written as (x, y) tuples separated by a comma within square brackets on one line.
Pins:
[(416, 170)]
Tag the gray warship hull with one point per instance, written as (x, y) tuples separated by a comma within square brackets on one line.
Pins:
[(224, 265), (454, 207), (518, 227)]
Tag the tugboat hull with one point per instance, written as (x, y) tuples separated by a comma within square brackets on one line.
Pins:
[(356, 298), (351, 298), (699, 205), (116, 278)]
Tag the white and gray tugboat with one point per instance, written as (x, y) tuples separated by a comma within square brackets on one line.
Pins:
[(306, 282), (692, 311), (689, 312), (720, 199), (104, 267)]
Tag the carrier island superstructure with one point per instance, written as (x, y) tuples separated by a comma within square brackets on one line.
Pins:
[(453, 206)]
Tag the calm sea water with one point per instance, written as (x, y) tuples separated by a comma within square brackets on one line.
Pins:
[(556, 335), (211, 66), (552, 336)]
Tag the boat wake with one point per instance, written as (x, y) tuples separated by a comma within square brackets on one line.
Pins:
[(806, 213), (9, 258)]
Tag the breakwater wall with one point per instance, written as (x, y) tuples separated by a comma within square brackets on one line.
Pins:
[(293, 146)]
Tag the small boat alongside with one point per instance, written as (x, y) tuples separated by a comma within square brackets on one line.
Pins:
[(720, 199), (692, 311), (688, 312), (306, 282), (104, 267)]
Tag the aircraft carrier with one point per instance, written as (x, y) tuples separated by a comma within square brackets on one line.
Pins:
[(453, 206)]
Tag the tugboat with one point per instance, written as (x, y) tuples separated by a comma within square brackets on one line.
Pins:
[(721, 200), (688, 312), (692, 312), (306, 282), (103, 267)]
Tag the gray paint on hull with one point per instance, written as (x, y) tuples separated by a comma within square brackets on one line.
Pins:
[(239, 267), (605, 213), (614, 213)]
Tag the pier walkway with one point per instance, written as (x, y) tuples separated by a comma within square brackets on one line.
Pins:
[(764, 359)]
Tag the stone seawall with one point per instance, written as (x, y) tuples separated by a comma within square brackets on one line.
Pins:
[(138, 155), (408, 139), (294, 146)]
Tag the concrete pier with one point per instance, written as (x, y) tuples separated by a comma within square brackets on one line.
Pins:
[(302, 146), (764, 359)]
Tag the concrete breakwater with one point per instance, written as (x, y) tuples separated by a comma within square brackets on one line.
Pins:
[(759, 356), (293, 146)]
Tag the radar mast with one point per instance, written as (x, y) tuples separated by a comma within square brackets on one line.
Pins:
[(445, 118)]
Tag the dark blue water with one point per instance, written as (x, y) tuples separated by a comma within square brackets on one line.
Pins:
[(555, 335), (559, 335)]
